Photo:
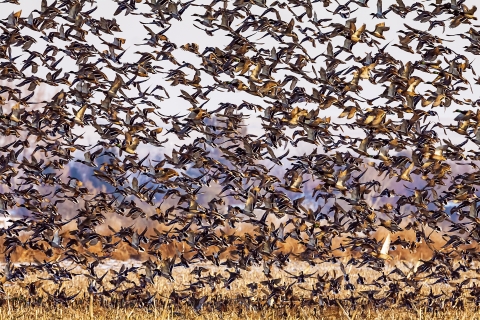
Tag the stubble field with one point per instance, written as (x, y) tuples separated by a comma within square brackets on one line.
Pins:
[(247, 297)]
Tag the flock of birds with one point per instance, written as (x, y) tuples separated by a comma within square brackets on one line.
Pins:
[(380, 167)]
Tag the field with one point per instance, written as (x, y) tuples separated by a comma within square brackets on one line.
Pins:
[(80, 311), (236, 303)]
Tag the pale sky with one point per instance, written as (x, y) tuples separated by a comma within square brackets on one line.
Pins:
[(183, 32)]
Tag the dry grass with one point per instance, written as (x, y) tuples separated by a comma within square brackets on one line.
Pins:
[(100, 313), (237, 303)]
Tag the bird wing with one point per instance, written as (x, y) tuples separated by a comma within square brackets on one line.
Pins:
[(135, 184), (386, 245), (379, 6), (81, 113), (117, 83), (297, 180)]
